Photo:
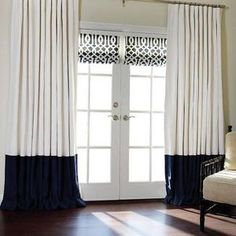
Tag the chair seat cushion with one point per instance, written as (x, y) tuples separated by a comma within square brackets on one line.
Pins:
[(221, 187)]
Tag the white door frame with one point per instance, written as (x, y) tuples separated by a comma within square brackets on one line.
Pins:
[(110, 191), (119, 186)]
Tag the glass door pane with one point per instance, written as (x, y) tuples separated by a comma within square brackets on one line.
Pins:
[(139, 131), (99, 166), (139, 165)]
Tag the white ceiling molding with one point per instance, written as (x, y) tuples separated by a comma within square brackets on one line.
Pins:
[(122, 29)]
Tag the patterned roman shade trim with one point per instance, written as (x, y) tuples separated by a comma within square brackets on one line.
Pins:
[(105, 49), (94, 48), (145, 51)]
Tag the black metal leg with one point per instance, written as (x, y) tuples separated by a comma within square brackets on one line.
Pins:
[(202, 215)]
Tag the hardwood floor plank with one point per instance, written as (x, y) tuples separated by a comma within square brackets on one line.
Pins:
[(111, 219)]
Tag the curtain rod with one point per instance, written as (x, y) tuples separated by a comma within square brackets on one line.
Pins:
[(179, 2)]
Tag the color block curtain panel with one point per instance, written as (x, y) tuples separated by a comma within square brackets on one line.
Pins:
[(194, 124), (41, 169)]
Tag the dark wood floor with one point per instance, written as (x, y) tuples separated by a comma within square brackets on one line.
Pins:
[(129, 219)]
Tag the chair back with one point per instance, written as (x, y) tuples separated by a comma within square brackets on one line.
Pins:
[(230, 155)]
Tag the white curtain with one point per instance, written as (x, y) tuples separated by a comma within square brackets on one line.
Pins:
[(194, 123), (44, 48)]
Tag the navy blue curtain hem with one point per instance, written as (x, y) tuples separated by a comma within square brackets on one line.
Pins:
[(41, 182), (182, 175)]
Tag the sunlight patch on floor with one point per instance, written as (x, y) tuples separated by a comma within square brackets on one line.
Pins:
[(133, 224)]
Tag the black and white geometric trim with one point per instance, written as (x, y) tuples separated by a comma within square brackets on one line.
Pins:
[(94, 48), (105, 49), (145, 51)]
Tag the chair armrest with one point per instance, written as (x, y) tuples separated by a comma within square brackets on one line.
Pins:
[(210, 167)]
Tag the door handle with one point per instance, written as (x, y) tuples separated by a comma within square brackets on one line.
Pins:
[(114, 117), (126, 117)]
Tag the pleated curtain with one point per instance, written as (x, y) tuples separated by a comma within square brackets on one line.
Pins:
[(41, 164), (194, 122)]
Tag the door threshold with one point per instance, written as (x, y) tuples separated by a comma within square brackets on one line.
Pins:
[(128, 201)]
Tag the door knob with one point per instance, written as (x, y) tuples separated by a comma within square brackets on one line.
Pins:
[(114, 117), (126, 117)]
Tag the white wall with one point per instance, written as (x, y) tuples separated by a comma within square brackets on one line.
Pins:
[(5, 9), (136, 13)]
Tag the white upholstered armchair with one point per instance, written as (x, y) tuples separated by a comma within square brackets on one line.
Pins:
[(218, 179)]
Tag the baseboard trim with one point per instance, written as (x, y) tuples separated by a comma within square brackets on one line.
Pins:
[(129, 201)]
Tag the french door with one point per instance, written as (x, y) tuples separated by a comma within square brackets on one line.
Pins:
[(120, 131)]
